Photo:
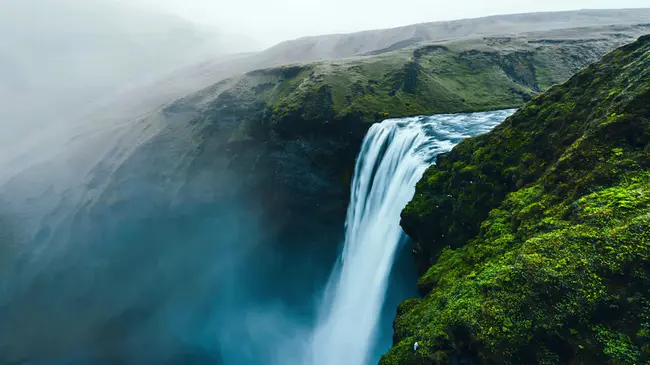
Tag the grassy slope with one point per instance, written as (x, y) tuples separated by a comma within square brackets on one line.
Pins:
[(539, 231), (468, 75)]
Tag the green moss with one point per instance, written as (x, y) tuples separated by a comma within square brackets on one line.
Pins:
[(540, 231), (617, 345)]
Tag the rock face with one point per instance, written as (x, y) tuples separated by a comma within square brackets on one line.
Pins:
[(533, 239), (294, 131)]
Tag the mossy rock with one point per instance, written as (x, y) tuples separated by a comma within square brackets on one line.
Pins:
[(534, 239)]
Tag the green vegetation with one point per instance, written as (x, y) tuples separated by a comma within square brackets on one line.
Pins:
[(296, 130), (534, 239), (459, 76)]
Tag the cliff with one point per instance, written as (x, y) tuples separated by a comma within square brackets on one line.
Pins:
[(294, 131), (532, 239)]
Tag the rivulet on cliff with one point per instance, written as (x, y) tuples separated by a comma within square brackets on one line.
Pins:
[(533, 239)]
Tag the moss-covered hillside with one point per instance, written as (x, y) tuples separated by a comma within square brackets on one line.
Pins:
[(539, 232)]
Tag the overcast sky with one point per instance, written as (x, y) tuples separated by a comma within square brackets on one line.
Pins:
[(271, 21)]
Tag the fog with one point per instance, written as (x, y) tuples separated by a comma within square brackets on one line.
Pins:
[(62, 59), (120, 244), (270, 22), (116, 245), (71, 65)]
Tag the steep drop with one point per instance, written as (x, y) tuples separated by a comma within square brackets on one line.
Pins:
[(393, 157)]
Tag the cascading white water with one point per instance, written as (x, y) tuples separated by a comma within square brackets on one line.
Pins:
[(393, 157)]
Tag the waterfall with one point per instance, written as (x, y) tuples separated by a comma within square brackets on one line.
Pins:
[(393, 157)]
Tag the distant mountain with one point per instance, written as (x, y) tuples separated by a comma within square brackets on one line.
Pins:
[(379, 41)]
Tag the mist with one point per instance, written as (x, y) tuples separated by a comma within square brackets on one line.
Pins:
[(60, 59), (124, 245), (119, 243), (270, 22)]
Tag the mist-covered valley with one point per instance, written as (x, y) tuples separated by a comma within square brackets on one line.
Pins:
[(175, 193)]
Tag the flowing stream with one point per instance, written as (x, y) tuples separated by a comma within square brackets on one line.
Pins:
[(393, 157)]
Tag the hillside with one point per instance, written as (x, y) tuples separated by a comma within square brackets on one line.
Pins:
[(467, 75), (602, 25), (295, 130), (537, 231), (604, 29)]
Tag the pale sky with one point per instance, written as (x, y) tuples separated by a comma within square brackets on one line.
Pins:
[(271, 21)]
